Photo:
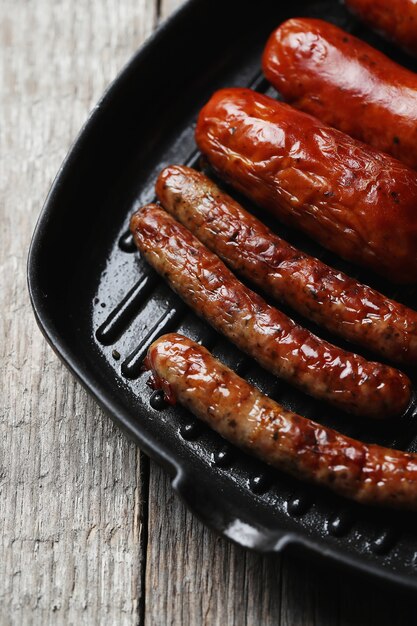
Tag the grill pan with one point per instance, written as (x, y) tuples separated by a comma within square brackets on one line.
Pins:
[(100, 306)]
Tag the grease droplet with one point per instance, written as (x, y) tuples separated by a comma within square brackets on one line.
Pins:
[(259, 484), (127, 243), (339, 525), (384, 542), (223, 458), (190, 431), (298, 505), (157, 400)]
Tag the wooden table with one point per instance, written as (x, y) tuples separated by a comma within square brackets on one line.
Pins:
[(93, 533)]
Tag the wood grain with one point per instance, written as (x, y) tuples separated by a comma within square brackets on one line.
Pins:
[(70, 486), (78, 502)]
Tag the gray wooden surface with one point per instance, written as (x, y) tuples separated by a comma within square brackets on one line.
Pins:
[(91, 532)]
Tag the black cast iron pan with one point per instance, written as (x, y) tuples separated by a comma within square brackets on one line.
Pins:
[(99, 305)]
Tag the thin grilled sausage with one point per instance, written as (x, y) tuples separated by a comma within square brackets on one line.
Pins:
[(320, 369), (241, 414), (317, 291), (396, 19), (324, 71), (354, 200)]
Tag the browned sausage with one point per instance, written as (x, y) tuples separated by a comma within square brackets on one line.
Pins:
[(396, 19), (330, 298), (276, 342), (354, 200), (346, 83), (240, 413)]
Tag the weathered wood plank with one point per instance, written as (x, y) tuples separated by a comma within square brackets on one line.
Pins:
[(70, 488), (194, 577), (166, 7)]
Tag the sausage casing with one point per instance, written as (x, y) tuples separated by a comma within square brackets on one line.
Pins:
[(396, 19), (240, 413), (353, 199), (321, 69), (317, 291), (317, 367)]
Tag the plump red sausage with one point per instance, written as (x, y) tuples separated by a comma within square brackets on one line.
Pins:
[(317, 291), (240, 413), (343, 81), (396, 19), (354, 200), (344, 379)]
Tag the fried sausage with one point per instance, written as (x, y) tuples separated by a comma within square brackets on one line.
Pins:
[(320, 369), (320, 293), (346, 83), (354, 200), (396, 19), (241, 414)]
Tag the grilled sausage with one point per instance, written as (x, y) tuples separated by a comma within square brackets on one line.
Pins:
[(354, 200), (346, 83), (202, 280), (243, 415), (330, 298), (396, 19)]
